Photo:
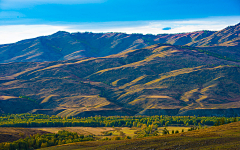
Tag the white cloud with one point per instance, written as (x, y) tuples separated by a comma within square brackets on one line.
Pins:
[(155, 27), (14, 33), (8, 4)]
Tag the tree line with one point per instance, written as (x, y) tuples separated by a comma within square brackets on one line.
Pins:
[(41, 120)]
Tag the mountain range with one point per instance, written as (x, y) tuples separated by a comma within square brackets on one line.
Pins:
[(88, 74)]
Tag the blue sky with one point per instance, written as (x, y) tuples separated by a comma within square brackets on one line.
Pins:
[(23, 19)]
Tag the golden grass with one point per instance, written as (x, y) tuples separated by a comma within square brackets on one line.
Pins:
[(175, 73), (188, 94), (19, 73), (159, 96), (132, 82), (137, 100), (220, 137), (202, 97), (7, 97), (60, 65), (207, 88), (11, 82), (47, 98), (80, 130), (128, 131), (114, 83), (131, 92), (141, 62), (160, 49), (170, 128)]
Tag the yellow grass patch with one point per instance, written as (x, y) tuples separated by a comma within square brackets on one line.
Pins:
[(188, 94), (115, 82), (7, 97), (128, 131), (47, 98), (170, 128), (159, 96), (202, 97), (141, 62), (130, 92), (132, 82), (207, 88), (137, 100), (80, 130), (20, 73), (160, 49), (10, 82), (175, 73)]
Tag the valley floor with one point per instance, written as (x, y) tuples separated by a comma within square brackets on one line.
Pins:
[(220, 137)]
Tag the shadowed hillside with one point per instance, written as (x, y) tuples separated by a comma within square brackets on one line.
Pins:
[(159, 79), (66, 46)]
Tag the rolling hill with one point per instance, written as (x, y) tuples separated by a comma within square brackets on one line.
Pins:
[(160, 79)]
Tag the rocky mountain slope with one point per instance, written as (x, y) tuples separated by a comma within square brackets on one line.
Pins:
[(159, 79)]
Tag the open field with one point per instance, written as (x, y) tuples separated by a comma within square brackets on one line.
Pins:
[(174, 128), (98, 131), (220, 137), (80, 130)]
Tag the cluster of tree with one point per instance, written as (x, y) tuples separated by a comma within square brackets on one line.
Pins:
[(151, 130), (224, 121), (39, 120), (45, 140)]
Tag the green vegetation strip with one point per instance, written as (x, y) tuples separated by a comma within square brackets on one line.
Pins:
[(41, 120)]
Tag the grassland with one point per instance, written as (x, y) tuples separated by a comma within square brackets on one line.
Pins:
[(147, 81), (99, 131), (220, 137)]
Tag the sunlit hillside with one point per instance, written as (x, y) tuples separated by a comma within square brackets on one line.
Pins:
[(147, 81)]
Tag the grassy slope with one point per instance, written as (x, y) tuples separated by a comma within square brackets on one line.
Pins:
[(226, 37), (220, 137), (160, 76)]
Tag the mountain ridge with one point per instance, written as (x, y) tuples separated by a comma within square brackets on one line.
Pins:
[(64, 46)]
